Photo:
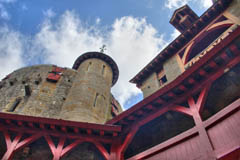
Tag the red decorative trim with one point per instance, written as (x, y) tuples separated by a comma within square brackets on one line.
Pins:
[(27, 141), (182, 109), (191, 133), (207, 148), (202, 98), (56, 151), (16, 144), (102, 150), (70, 147), (57, 122), (128, 139), (10, 145)]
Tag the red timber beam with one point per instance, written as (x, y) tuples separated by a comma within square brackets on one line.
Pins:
[(16, 144), (59, 150), (45, 131), (195, 107), (193, 111), (183, 110), (218, 49), (221, 115), (207, 148), (101, 149), (56, 151), (47, 128), (118, 148)]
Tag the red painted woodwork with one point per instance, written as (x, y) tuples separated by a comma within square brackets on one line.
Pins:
[(128, 139), (56, 151), (215, 138), (182, 109), (179, 80), (102, 150), (40, 120), (223, 130), (59, 150), (190, 134), (206, 147), (10, 145), (27, 141), (184, 150), (117, 150), (68, 148), (225, 135), (202, 98), (62, 133), (16, 144)]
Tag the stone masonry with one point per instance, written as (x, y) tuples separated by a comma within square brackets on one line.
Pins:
[(78, 95)]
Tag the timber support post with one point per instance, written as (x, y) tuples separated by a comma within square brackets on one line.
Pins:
[(16, 144), (196, 107), (118, 148)]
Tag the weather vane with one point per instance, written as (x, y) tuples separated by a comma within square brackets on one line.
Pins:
[(103, 48)]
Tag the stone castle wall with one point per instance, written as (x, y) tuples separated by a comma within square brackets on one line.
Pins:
[(28, 92), (45, 99)]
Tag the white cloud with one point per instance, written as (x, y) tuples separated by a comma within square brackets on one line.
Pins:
[(131, 42), (206, 3), (49, 13), (11, 50), (65, 40), (174, 4)]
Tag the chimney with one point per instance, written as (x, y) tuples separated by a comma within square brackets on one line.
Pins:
[(183, 18)]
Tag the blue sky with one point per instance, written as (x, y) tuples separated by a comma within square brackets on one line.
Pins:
[(58, 31)]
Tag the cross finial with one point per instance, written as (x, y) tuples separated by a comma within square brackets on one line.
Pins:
[(103, 48)]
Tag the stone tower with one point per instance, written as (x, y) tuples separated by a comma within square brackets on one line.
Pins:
[(80, 94), (88, 98)]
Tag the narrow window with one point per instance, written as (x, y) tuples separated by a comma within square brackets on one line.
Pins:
[(14, 105), (95, 100), (27, 90), (89, 64), (103, 69)]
